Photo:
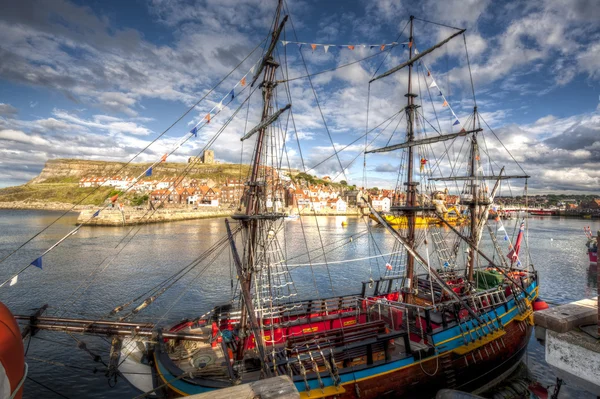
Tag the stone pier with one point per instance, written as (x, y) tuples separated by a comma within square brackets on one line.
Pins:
[(572, 342)]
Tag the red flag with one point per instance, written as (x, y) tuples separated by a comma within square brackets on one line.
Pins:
[(513, 255), (445, 104), (382, 47), (243, 81), (313, 46), (409, 44), (388, 266), (207, 117), (164, 158), (114, 198), (428, 73), (351, 47)]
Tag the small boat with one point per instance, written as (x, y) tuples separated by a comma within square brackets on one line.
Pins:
[(543, 212)]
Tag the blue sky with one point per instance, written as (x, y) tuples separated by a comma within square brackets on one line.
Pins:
[(101, 79)]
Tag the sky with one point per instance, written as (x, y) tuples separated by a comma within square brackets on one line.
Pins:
[(103, 79)]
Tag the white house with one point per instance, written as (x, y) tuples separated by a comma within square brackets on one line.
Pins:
[(381, 203)]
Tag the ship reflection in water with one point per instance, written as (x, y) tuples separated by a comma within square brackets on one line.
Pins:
[(157, 250)]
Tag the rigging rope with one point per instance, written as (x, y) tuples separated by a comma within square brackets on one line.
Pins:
[(134, 157)]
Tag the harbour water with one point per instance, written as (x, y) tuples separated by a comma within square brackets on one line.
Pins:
[(94, 271)]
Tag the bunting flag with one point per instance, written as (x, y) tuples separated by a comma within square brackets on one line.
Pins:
[(232, 94), (96, 213), (149, 171), (456, 122), (428, 73), (501, 228), (315, 46), (462, 130), (164, 158), (114, 198), (14, 280), (207, 118), (445, 104), (194, 132), (423, 163), (388, 266), (37, 262), (410, 44), (433, 84), (243, 81), (440, 94), (505, 237), (446, 264)]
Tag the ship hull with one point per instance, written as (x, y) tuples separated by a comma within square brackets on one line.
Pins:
[(419, 220), (473, 372), (472, 365)]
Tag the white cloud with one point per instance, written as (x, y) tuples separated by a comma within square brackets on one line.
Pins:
[(22, 137)]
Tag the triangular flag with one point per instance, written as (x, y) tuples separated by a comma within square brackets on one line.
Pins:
[(37, 262), (505, 237), (456, 122), (96, 213), (445, 104), (194, 131), (220, 105), (313, 46), (207, 117), (252, 69), (446, 264), (284, 42), (164, 158), (364, 45), (351, 47), (428, 73), (501, 228), (243, 81), (462, 130), (372, 46), (114, 198), (326, 48), (382, 47), (440, 93), (417, 52), (149, 171), (14, 280), (409, 44), (403, 45), (433, 84), (388, 266), (232, 94)]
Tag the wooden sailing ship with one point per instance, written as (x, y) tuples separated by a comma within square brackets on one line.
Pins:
[(423, 326)]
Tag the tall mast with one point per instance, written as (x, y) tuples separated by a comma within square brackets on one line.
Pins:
[(410, 185), (474, 203), (256, 190)]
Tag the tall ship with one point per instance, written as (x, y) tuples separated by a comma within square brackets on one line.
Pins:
[(451, 309)]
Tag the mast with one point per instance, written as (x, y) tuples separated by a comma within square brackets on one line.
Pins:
[(474, 203), (251, 220), (410, 185)]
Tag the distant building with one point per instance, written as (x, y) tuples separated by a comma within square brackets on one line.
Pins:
[(208, 157)]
